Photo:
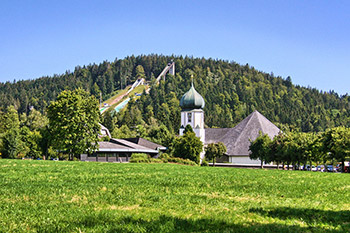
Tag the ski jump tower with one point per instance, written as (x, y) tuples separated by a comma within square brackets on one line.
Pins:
[(169, 68)]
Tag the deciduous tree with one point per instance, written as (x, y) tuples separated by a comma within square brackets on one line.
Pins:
[(74, 122), (188, 146), (215, 150), (260, 148), (11, 136), (336, 141)]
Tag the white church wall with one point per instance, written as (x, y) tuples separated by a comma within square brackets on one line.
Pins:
[(197, 119), (201, 134)]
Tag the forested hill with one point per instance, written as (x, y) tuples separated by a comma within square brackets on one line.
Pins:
[(231, 92)]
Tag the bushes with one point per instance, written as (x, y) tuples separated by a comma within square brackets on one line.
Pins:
[(167, 158), (154, 160), (181, 161), (204, 163), (139, 158), (164, 156)]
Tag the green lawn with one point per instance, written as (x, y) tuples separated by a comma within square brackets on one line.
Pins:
[(56, 196)]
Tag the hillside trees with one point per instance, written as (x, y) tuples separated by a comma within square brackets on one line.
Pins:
[(229, 88), (140, 72), (74, 122)]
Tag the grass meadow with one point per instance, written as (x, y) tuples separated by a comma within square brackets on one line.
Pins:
[(58, 196)]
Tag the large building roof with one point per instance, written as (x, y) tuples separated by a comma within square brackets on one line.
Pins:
[(192, 100), (122, 145), (237, 139), (146, 143)]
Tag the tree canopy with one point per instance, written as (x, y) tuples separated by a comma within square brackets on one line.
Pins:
[(260, 148), (296, 148), (337, 142), (74, 122), (215, 150)]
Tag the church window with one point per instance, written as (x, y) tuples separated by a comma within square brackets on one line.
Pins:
[(189, 117)]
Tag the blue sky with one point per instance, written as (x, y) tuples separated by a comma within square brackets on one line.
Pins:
[(307, 40)]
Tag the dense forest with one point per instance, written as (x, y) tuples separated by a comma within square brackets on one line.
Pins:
[(231, 92)]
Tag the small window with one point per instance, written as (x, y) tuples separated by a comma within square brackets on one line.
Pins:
[(189, 117)]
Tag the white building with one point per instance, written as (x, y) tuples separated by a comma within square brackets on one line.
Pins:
[(236, 140), (192, 104)]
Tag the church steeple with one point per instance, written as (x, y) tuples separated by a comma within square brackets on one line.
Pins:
[(192, 104)]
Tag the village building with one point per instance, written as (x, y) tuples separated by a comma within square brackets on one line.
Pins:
[(237, 140), (120, 150)]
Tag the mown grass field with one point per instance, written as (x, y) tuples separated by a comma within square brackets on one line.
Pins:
[(57, 196)]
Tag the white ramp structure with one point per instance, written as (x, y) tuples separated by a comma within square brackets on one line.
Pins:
[(169, 68), (136, 84)]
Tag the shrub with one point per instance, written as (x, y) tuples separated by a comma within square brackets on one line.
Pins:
[(20, 156), (139, 158), (188, 146), (164, 156), (181, 161), (153, 160), (204, 163), (63, 156)]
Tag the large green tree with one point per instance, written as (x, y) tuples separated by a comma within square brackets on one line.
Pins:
[(188, 146), (74, 122)]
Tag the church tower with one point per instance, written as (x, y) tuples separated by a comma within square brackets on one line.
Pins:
[(192, 104)]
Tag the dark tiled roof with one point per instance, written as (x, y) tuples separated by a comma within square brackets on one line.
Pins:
[(236, 139), (111, 145), (146, 143), (121, 145)]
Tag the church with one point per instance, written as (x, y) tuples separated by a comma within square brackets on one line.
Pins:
[(237, 139)]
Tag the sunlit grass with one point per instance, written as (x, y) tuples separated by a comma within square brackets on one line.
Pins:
[(118, 93), (61, 196)]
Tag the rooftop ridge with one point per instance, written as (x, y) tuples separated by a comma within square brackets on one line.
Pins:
[(250, 116)]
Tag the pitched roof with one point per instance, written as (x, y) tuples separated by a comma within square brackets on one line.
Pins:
[(146, 143), (121, 145), (236, 139)]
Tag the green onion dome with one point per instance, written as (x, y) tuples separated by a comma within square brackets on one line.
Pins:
[(192, 100)]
